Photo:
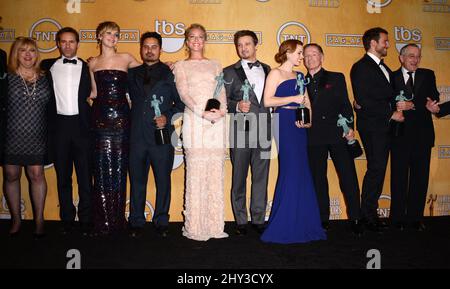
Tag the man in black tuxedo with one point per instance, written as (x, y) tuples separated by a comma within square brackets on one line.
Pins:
[(69, 128), (373, 92), (329, 99), (149, 79), (3, 91), (250, 132), (411, 151)]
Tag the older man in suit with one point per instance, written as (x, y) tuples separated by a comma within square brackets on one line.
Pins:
[(373, 92), (151, 78), (411, 151), (250, 133), (69, 128), (329, 99)]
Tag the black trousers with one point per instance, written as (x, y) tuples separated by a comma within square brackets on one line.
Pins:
[(345, 169), (410, 169), (73, 148), (160, 159), (376, 148)]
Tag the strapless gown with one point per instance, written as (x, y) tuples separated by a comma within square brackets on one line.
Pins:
[(295, 213), (111, 135)]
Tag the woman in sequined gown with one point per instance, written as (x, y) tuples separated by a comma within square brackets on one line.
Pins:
[(27, 98), (204, 140), (110, 110), (295, 213)]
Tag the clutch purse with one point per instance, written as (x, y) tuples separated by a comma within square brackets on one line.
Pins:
[(355, 149)]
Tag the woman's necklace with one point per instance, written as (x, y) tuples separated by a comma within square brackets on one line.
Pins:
[(28, 93)]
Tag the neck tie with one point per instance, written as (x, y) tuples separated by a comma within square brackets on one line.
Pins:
[(410, 83), (255, 64), (73, 61)]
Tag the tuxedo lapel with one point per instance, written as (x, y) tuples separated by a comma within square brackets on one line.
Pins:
[(378, 69), (418, 79), (139, 80)]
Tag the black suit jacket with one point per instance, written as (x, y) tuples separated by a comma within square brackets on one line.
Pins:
[(418, 122), (331, 100), (373, 92), (444, 109), (142, 113), (236, 74), (84, 109), (3, 92)]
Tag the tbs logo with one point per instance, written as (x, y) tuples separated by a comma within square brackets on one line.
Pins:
[(404, 36), (172, 34)]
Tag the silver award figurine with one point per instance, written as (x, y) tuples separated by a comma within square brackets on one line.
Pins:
[(214, 103), (161, 134), (245, 88), (396, 126), (302, 112), (353, 145)]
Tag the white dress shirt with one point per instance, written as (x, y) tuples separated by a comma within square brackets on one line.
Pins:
[(66, 82), (255, 76), (377, 60)]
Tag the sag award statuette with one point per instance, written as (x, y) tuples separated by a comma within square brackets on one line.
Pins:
[(161, 134), (353, 145), (302, 112), (396, 126), (214, 103), (245, 88)]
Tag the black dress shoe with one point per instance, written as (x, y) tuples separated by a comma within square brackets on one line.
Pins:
[(86, 229), (136, 232), (326, 226), (356, 228), (67, 228), (163, 231), (399, 226), (373, 227), (14, 234), (259, 228), (419, 226), (241, 230), (382, 224)]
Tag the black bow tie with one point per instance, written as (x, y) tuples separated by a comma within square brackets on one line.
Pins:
[(381, 62), (73, 61), (255, 64)]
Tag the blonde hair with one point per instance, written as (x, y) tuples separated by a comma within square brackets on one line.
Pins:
[(20, 42), (104, 26), (287, 46), (188, 31)]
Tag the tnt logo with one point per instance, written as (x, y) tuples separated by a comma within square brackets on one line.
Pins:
[(403, 36), (374, 6), (148, 210), (175, 31), (44, 31), (293, 30), (384, 204)]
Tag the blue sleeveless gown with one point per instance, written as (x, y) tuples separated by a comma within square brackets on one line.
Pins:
[(295, 214)]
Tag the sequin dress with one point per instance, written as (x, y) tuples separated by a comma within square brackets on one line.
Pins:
[(111, 135)]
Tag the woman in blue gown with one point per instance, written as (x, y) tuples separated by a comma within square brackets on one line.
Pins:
[(111, 124), (295, 213)]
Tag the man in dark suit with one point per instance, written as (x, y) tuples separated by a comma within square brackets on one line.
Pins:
[(69, 128), (372, 90), (411, 151), (149, 79), (3, 91), (328, 94), (250, 133)]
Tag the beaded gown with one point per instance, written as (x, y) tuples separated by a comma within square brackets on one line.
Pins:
[(111, 137)]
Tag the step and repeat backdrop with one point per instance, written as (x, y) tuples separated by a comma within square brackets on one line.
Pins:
[(337, 25)]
